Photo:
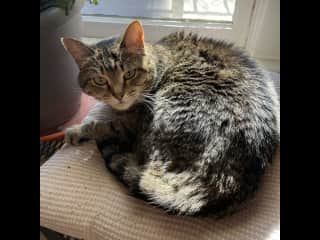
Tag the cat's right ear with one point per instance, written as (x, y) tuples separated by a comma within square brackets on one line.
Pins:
[(78, 50), (133, 39)]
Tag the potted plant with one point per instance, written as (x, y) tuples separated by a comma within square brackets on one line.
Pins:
[(59, 92)]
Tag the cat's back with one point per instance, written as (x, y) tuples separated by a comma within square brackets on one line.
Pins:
[(219, 82), (217, 53), (224, 70)]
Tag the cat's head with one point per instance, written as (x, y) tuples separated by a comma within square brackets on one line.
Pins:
[(117, 75)]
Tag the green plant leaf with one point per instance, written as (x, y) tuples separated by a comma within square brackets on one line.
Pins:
[(95, 2), (67, 5)]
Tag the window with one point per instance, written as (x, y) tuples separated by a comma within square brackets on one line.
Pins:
[(251, 24), (202, 10), (224, 19)]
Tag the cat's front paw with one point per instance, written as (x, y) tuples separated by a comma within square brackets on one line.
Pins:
[(75, 135)]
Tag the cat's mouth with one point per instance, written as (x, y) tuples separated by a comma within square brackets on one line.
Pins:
[(121, 105)]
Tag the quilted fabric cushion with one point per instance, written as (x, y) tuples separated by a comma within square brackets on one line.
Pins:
[(80, 198)]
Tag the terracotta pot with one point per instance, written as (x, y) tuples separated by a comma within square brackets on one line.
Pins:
[(59, 91)]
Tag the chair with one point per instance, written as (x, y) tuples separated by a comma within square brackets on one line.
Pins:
[(79, 197)]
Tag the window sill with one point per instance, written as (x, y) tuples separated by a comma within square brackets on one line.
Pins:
[(103, 26)]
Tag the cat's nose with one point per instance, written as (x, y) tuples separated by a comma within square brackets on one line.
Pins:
[(119, 96)]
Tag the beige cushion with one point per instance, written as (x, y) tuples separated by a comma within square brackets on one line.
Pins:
[(80, 198)]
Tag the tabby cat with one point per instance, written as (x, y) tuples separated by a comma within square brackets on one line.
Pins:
[(198, 117)]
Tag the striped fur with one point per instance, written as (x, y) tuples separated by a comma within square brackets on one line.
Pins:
[(203, 119)]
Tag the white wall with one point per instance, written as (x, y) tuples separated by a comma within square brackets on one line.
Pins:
[(264, 36)]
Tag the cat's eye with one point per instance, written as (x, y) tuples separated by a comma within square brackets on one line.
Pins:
[(129, 74), (99, 81)]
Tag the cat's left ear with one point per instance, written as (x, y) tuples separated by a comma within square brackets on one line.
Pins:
[(133, 39), (78, 50)]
